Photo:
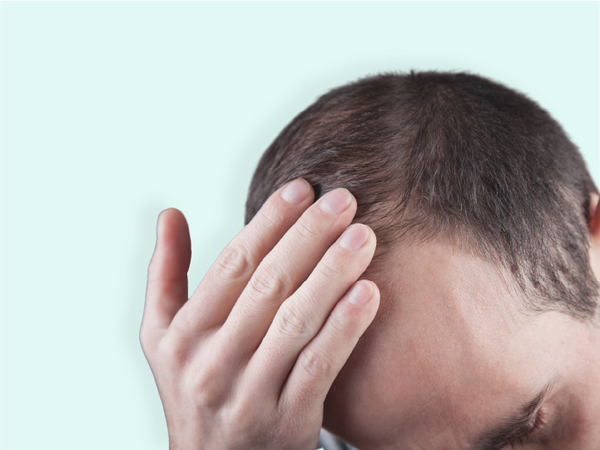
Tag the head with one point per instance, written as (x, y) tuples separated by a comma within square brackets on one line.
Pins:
[(489, 301)]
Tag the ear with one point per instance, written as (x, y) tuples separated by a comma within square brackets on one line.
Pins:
[(594, 225), (594, 222)]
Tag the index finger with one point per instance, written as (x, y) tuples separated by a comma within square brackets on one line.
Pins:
[(220, 288)]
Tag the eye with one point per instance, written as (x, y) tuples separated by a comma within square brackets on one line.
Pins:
[(529, 432)]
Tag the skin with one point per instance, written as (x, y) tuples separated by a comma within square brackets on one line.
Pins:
[(246, 362), (451, 353), (249, 360)]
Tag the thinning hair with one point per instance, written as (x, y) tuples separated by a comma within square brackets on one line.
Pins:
[(453, 156)]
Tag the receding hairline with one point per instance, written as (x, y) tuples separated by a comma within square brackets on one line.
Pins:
[(351, 137)]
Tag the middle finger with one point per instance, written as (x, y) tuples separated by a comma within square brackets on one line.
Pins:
[(286, 267)]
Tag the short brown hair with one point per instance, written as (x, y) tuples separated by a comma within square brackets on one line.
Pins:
[(454, 155)]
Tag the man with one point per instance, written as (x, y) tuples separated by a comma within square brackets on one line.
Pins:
[(483, 291)]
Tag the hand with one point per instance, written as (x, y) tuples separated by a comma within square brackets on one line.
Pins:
[(247, 361)]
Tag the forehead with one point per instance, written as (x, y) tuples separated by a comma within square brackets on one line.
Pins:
[(445, 306), (448, 343)]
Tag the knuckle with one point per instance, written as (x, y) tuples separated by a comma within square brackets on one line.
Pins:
[(143, 336), (203, 389), (291, 323), (151, 271), (152, 275), (204, 381), (340, 323), (271, 214), (146, 340), (317, 366), (329, 269), (265, 284), (234, 263), (306, 232), (173, 351)]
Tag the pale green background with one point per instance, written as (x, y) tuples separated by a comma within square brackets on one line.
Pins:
[(112, 111)]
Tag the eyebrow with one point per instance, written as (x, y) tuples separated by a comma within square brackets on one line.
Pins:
[(517, 425)]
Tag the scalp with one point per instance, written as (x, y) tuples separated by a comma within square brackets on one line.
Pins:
[(453, 156)]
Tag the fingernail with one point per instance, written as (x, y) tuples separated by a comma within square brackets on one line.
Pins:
[(336, 201), (360, 294), (354, 237), (296, 191)]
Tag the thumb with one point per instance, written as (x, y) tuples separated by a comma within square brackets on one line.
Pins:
[(167, 288)]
